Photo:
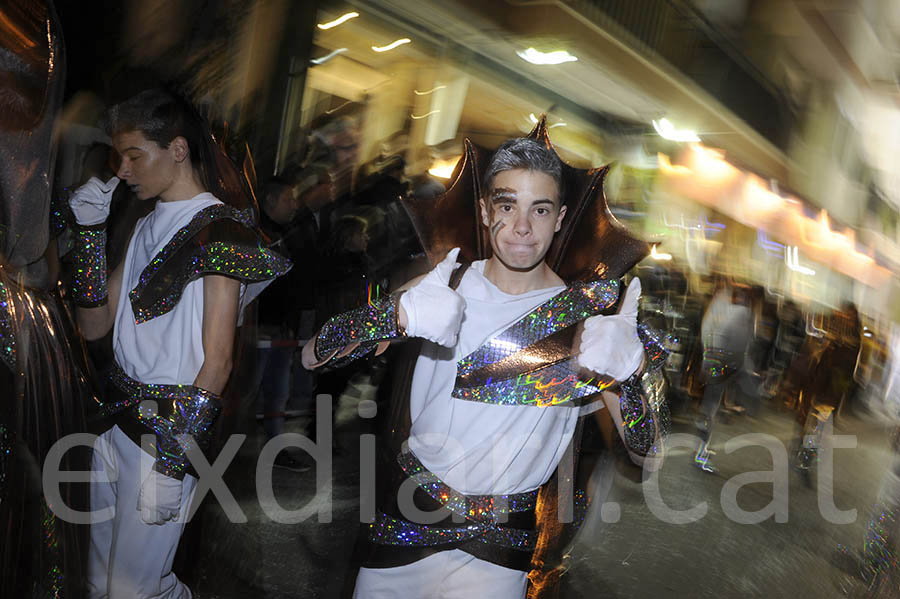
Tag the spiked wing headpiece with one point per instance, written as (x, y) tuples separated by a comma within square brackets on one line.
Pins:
[(591, 243)]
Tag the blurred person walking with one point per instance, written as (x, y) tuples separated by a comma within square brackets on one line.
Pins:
[(726, 331), (280, 309), (828, 383), (346, 282)]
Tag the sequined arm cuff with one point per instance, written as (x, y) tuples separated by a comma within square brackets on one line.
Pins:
[(645, 413), (193, 415), (369, 325), (89, 257)]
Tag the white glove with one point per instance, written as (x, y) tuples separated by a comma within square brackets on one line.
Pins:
[(90, 202), (160, 498), (610, 344), (433, 310)]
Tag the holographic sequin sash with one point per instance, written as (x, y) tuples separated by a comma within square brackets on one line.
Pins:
[(483, 515), (218, 240), (530, 362)]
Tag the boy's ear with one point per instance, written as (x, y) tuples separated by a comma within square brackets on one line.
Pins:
[(559, 219), (485, 217), (180, 148)]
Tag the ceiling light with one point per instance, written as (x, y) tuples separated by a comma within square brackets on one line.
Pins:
[(537, 57), (328, 56), (432, 90), (667, 130), (422, 116), (392, 45), (341, 19)]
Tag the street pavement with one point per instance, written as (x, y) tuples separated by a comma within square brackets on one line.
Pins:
[(634, 555)]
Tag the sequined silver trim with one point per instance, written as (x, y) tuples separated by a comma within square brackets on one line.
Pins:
[(7, 336), (89, 259), (645, 412), (570, 306), (560, 384), (387, 530), (179, 410), (366, 325), (232, 260), (484, 509)]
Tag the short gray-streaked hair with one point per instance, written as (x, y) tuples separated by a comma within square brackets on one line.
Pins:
[(526, 154)]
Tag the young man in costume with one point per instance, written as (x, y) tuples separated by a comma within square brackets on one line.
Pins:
[(173, 305), (501, 377)]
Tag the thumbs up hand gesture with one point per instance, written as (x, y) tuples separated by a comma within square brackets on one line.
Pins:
[(432, 309), (610, 344)]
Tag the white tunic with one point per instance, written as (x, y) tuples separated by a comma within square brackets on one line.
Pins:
[(479, 448), (476, 448), (167, 349)]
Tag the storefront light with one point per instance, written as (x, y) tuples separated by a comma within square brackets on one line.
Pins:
[(341, 19), (659, 255), (710, 165), (792, 259), (443, 169), (544, 58), (392, 45)]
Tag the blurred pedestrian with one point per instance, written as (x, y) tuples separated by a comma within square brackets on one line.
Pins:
[(726, 331), (279, 312)]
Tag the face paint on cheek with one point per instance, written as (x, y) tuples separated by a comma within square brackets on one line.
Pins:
[(495, 228)]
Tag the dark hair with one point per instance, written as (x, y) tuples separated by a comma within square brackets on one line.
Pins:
[(345, 228), (162, 116), (527, 154), (272, 190)]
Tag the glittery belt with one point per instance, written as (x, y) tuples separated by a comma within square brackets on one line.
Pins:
[(718, 363), (484, 515), (170, 412), (126, 392)]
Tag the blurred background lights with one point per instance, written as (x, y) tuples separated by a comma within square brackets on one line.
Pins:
[(443, 168), (327, 57), (657, 255), (537, 57), (341, 19), (667, 130), (392, 45)]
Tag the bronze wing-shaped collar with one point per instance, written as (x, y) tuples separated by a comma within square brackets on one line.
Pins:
[(591, 244)]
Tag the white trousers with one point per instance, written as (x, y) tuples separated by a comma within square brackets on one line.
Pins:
[(450, 574), (128, 558)]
